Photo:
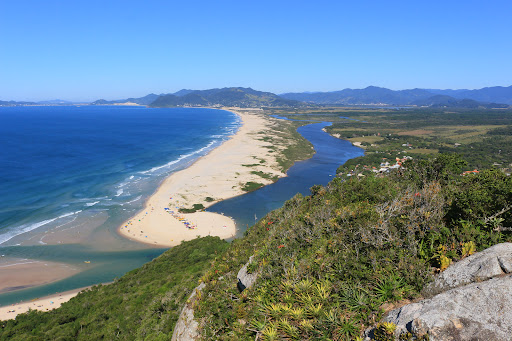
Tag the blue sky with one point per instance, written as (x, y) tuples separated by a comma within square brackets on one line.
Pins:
[(85, 50)]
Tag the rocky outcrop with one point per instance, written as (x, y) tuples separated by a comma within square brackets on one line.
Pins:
[(477, 311), (245, 279), (492, 262), (186, 327), (470, 300)]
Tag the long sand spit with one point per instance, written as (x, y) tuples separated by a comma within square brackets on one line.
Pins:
[(219, 175)]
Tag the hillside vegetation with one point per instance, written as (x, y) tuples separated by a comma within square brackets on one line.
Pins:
[(329, 264)]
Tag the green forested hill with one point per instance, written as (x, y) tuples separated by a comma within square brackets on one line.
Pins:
[(230, 97), (327, 264)]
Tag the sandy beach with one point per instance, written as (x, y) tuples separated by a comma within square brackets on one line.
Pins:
[(219, 175), (43, 304)]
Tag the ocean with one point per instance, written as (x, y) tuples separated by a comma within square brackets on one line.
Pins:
[(60, 164), (83, 170)]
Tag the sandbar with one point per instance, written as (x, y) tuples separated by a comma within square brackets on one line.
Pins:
[(25, 273), (219, 175)]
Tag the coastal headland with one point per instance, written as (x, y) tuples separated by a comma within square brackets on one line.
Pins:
[(223, 173)]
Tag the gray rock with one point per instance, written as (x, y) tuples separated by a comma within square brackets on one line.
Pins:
[(477, 311), (246, 280), (186, 327), (492, 262), (505, 263)]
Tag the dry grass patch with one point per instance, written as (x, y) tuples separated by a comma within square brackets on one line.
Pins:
[(422, 151), (416, 132), (369, 139)]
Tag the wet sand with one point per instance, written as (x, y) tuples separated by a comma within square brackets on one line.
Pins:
[(19, 274)]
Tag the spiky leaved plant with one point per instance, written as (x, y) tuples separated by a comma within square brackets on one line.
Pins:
[(314, 310), (288, 329), (346, 330), (275, 310), (306, 299), (297, 313), (384, 331), (270, 333), (355, 299), (323, 290), (391, 288), (303, 286)]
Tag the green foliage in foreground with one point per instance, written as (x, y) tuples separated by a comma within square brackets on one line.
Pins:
[(142, 305), (329, 262)]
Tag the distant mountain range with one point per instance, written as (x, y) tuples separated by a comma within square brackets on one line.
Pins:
[(15, 103), (50, 102), (56, 101), (493, 97)]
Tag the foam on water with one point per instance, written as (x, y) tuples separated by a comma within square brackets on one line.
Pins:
[(16, 231), (181, 158), (132, 201)]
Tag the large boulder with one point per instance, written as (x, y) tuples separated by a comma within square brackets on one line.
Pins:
[(477, 311), (470, 300), (492, 262)]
